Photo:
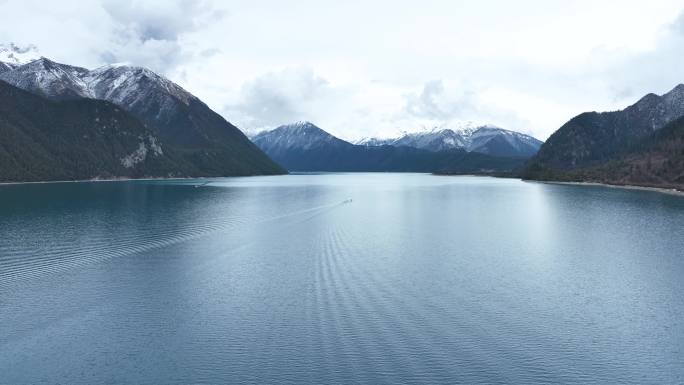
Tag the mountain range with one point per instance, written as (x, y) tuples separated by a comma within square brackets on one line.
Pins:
[(303, 146), (59, 121), (203, 143), (488, 140), (638, 145)]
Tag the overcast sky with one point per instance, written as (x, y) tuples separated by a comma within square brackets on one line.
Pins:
[(376, 68)]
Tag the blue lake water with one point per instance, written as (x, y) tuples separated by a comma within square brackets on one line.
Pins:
[(340, 279)]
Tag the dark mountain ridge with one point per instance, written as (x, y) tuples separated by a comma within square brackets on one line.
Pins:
[(638, 145), (656, 161), (207, 143), (76, 139), (592, 137)]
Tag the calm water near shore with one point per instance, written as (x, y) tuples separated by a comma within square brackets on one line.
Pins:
[(340, 279)]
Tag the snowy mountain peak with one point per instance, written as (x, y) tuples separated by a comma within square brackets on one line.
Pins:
[(298, 135), (41, 62), (115, 65), (435, 139), (488, 139), (374, 142), (300, 125), (45, 77), (45, 64), (118, 83), (15, 55), (302, 128)]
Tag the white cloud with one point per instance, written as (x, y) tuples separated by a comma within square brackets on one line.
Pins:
[(362, 68), (277, 97), (658, 69)]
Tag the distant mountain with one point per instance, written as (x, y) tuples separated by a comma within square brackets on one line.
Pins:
[(205, 140), (485, 139), (305, 147), (76, 139), (302, 136), (374, 142), (499, 142), (435, 140), (591, 139)]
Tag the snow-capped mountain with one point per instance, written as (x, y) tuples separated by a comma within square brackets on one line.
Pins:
[(435, 140), (49, 79), (118, 83), (181, 119), (303, 146), (484, 139), (499, 142), (296, 136), (374, 142)]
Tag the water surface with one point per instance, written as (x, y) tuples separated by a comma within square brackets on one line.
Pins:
[(340, 278)]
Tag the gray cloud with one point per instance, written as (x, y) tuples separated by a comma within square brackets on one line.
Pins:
[(150, 34), (18, 54), (163, 20), (433, 103), (631, 75), (438, 106), (22, 49), (280, 97)]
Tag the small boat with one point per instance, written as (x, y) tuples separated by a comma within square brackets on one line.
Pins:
[(201, 184)]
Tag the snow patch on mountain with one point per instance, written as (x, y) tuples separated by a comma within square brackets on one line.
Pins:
[(487, 139), (118, 83), (520, 142), (43, 76), (374, 142), (301, 135)]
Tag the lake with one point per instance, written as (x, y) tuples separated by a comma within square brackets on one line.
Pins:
[(340, 279)]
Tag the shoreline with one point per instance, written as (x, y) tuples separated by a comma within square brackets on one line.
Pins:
[(662, 190), (128, 179), (94, 180)]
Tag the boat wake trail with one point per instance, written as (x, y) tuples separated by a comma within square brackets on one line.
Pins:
[(20, 266)]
